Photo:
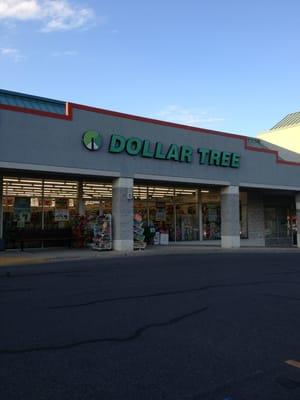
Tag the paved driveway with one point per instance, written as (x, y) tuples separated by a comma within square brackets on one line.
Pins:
[(190, 326)]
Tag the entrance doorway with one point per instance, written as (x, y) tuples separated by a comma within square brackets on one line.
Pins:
[(168, 210), (278, 227)]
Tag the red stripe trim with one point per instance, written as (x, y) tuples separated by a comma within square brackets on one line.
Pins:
[(69, 116), (35, 112)]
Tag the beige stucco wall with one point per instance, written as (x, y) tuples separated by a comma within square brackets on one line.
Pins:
[(288, 138)]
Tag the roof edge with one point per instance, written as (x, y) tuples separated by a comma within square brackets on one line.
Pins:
[(31, 96)]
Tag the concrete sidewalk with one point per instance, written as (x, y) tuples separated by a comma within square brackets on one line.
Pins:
[(43, 256)]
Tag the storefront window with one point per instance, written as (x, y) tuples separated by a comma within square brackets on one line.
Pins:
[(211, 214), (211, 221), (34, 205), (141, 204), (168, 210), (97, 198), (98, 207), (187, 216), (22, 208), (59, 204), (51, 205), (161, 210), (58, 212)]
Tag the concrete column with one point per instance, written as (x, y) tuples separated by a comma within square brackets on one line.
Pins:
[(200, 216), (1, 215), (80, 201), (256, 219), (230, 217), (297, 200), (122, 214)]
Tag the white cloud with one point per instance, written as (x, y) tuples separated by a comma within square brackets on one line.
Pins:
[(19, 9), (11, 53), (65, 53), (55, 15), (188, 116)]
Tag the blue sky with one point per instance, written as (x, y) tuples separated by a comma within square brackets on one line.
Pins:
[(228, 65)]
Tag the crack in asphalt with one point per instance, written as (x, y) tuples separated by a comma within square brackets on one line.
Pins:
[(135, 335), (159, 294)]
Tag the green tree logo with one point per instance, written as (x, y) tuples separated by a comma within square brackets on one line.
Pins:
[(92, 140)]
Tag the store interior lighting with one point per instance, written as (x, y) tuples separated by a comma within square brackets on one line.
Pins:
[(36, 188)]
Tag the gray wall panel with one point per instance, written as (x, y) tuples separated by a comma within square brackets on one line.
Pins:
[(32, 139)]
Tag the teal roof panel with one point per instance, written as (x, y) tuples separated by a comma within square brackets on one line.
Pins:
[(32, 102)]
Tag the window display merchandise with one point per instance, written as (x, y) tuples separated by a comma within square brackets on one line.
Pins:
[(102, 232), (138, 232)]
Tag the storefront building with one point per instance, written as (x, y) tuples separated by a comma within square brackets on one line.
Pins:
[(62, 161), (286, 135)]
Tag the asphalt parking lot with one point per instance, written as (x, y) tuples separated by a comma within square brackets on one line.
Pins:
[(195, 326)]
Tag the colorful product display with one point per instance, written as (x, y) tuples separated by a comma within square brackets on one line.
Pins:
[(102, 233), (138, 232)]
